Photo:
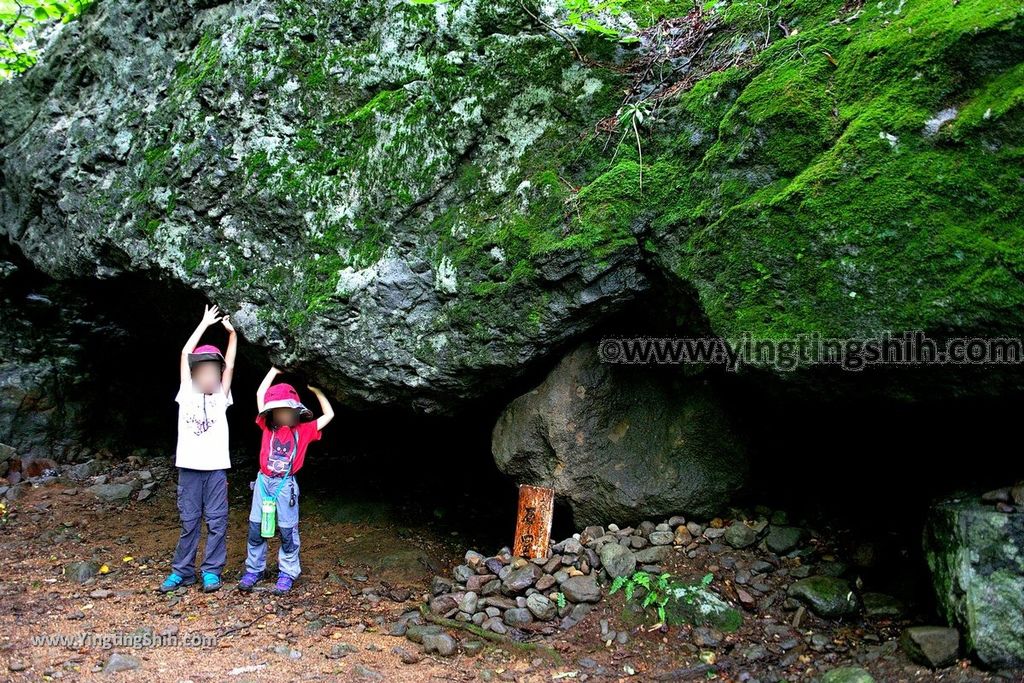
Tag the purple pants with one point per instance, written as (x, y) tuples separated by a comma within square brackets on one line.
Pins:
[(201, 493)]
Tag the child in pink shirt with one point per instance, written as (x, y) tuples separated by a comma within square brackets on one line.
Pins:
[(288, 429)]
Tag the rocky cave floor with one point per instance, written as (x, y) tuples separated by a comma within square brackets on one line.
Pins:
[(358, 579)]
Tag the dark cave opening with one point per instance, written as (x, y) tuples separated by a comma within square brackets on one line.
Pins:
[(866, 471), (857, 464), (857, 455)]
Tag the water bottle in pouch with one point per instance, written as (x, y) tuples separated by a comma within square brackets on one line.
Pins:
[(268, 520)]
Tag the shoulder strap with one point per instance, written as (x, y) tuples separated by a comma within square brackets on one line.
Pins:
[(295, 451)]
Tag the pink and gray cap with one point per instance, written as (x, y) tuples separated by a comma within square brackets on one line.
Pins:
[(206, 352), (284, 396)]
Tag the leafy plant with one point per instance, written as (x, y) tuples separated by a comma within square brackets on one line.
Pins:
[(655, 589), (560, 599), (632, 116), (587, 15), (21, 22)]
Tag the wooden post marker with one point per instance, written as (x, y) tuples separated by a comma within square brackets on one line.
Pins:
[(533, 521)]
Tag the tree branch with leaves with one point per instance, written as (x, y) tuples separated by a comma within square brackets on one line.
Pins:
[(21, 24)]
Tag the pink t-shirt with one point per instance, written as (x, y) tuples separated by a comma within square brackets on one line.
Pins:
[(278, 445)]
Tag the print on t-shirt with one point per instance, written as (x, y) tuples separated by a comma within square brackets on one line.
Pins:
[(282, 446), (200, 423)]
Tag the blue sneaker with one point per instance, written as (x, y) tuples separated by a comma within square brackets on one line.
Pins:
[(174, 582), (211, 582)]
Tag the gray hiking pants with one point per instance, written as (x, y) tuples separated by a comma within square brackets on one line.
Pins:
[(201, 493)]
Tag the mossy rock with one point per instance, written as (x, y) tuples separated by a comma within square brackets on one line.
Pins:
[(411, 200), (976, 557), (827, 596), (847, 674), (698, 606), (692, 604)]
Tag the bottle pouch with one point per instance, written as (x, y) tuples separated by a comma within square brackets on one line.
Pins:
[(268, 507), (268, 519)]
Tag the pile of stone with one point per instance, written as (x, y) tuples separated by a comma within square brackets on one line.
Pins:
[(504, 592), (108, 480)]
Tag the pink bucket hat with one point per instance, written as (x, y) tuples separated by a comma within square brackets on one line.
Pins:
[(284, 396), (205, 353)]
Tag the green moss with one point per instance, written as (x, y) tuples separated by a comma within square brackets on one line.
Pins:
[(201, 66), (991, 105), (801, 215), (383, 102), (649, 12), (150, 225), (793, 188)]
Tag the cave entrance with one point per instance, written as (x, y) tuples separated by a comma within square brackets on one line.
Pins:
[(866, 469), (856, 456), (387, 467), (847, 462)]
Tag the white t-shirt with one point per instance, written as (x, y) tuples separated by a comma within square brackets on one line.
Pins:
[(202, 429)]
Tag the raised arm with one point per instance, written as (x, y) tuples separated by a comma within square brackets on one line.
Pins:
[(229, 357), (210, 315), (325, 407), (264, 385)]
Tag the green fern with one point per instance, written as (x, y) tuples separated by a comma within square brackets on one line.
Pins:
[(655, 590)]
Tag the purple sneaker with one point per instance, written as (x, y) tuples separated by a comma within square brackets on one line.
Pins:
[(249, 580), (283, 585)]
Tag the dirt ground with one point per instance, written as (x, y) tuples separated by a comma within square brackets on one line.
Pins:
[(328, 628)]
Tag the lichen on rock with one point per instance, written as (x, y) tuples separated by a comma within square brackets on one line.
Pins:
[(976, 555), (416, 199)]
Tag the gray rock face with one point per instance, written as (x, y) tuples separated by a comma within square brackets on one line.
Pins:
[(119, 662), (882, 605), (782, 539), (83, 470), (662, 537), (976, 557), (80, 572), (380, 193), (934, 646), (621, 442), (365, 224), (38, 363), (652, 555), (441, 643), (518, 616), (522, 578), (699, 606), (617, 560), (581, 589), (847, 674), (739, 535), (59, 397), (541, 606), (417, 632)]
